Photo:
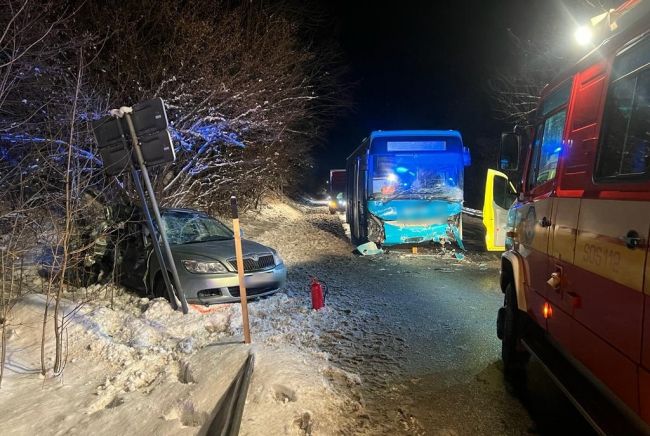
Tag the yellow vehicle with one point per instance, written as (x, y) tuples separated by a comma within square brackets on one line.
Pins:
[(499, 196)]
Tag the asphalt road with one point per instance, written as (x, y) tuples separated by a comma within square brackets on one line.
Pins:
[(428, 356)]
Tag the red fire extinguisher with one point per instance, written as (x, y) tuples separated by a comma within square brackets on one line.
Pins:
[(318, 294)]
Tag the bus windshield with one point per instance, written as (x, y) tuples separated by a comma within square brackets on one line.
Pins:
[(417, 176)]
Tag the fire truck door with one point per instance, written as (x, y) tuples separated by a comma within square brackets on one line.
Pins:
[(644, 371), (563, 242), (534, 217)]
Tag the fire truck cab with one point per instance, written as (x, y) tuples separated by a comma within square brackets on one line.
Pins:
[(576, 270)]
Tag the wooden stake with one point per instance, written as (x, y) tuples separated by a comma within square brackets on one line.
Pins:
[(240, 270), (414, 250)]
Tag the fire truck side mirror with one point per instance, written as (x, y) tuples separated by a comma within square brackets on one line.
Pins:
[(509, 151)]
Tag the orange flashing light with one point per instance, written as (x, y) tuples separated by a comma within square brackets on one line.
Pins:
[(547, 311)]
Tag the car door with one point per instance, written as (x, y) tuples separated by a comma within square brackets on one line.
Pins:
[(499, 196), (134, 251)]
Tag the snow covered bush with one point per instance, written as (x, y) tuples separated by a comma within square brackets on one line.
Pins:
[(245, 90)]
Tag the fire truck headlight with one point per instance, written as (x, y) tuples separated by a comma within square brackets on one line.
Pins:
[(583, 35)]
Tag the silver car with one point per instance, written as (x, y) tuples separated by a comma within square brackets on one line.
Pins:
[(204, 253)]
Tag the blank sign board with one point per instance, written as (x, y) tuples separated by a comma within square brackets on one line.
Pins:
[(150, 123)]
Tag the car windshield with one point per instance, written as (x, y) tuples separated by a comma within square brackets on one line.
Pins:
[(185, 227), (438, 176)]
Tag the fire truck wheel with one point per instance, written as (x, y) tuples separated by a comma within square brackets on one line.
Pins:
[(511, 326)]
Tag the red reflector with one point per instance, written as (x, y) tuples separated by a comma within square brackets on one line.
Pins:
[(547, 311)]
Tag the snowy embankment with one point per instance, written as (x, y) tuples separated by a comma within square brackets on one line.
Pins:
[(139, 367)]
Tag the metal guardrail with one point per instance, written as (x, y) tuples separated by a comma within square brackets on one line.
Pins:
[(473, 212), (226, 417)]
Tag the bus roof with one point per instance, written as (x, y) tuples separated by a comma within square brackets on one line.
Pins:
[(393, 133)]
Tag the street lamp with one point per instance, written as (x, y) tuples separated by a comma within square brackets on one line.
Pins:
[(583, 35)]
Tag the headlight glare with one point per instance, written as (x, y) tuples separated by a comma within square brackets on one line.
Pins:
[(199, 267)]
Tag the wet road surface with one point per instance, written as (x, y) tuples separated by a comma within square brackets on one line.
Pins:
[(428, 353)]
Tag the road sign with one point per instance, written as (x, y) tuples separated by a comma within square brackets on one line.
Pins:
[(138, 136), (150, 123)]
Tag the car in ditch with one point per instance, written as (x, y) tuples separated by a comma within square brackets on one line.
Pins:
[(203, 249)]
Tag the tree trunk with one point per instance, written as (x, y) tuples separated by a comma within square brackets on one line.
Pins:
[(3, 318), (3, 353), (58, 324)]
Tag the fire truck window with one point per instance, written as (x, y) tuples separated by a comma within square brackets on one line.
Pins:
[(557, 98), (532, 173), (632, 59), (547, 148), (625, 149), (637, 144)]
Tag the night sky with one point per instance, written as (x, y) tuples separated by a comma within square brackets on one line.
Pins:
[(424, 65)]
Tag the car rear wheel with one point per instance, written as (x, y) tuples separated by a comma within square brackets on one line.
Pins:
[(510, 329)]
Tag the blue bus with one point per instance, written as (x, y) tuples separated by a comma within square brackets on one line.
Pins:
[(406, 187)]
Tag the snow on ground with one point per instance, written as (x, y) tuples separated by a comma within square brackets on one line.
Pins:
[(133, 367), (287, 326), (136, 366), (351, 332)]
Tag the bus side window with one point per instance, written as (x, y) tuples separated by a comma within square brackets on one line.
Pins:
[(625, 147)]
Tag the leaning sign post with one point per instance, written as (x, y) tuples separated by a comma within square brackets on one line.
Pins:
[(240, 270), (145, 124)]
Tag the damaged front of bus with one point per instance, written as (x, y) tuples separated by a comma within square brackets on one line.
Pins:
[(415, 187)]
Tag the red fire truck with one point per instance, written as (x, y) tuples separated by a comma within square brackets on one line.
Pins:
[(576, 273)]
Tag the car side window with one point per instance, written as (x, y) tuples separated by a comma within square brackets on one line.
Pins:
[(625, 145)]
